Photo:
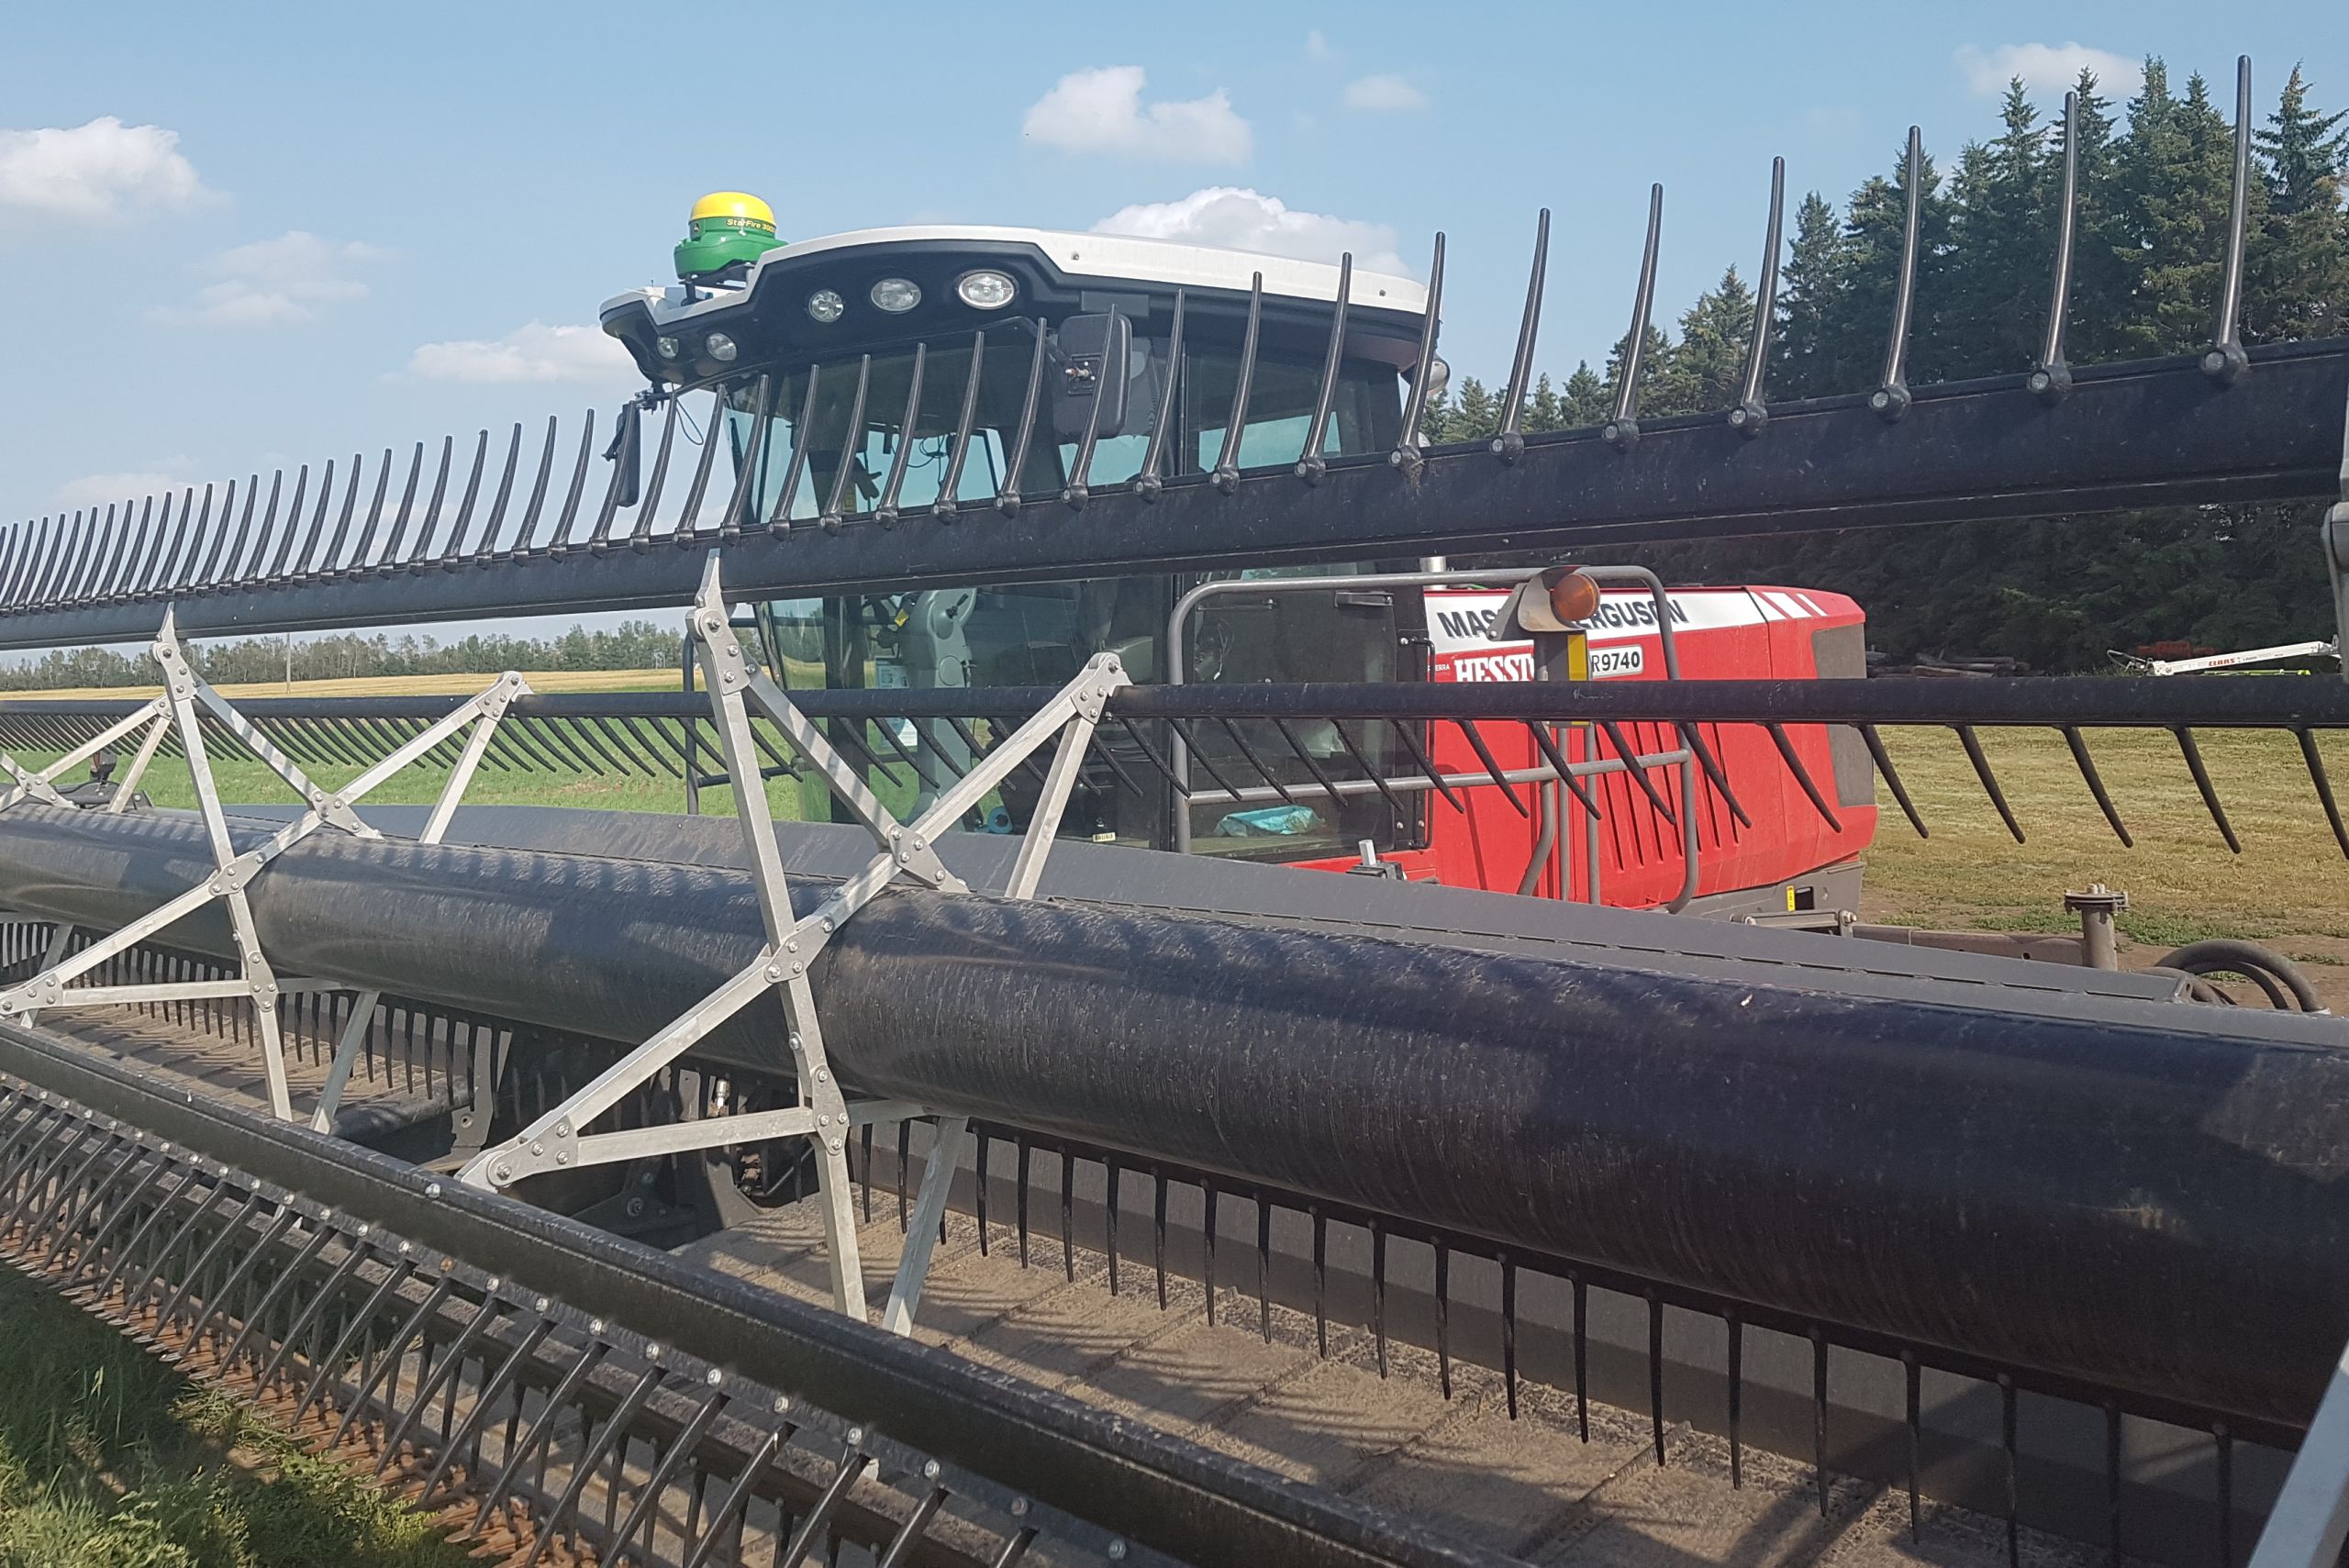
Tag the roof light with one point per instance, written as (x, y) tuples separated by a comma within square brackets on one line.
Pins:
[(721, 348), (826, 306), (985, 289), (896, 296), (667, 346)]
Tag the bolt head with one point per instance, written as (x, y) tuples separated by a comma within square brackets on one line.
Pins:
[(564, 1158), (502, 1172), (432, 1189), (713, 1377)]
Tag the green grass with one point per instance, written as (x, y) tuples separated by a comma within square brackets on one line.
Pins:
[(110, 1460), (2183, 884)]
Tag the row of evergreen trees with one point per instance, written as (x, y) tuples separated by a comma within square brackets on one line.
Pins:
[(632, 645), (2154, 192)]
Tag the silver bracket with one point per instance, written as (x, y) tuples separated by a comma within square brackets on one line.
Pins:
[(2310, 1519), (188, 699), (559, 1139)]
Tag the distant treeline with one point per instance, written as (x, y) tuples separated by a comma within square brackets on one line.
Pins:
[(633, 645), (2154, 186)]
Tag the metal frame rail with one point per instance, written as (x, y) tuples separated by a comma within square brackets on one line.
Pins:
[(549, 1373)]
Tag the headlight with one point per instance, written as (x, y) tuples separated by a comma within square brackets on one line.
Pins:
[(896, 296), (826, 306), (721, 348), (667, 346), (985, 290)]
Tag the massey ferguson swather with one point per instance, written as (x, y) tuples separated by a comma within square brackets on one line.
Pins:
[(1208, 1035)]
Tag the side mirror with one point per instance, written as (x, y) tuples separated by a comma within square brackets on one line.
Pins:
[(1094, 360), (627, 451)]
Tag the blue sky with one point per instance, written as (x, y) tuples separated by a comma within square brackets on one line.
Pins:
[(289, 204)]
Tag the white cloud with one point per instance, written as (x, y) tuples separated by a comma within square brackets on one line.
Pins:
[(1317, 48), (532, 353), (1384, 94), (93, 172), (2048, 68), (108, 489), (273, 281), (1242, 219), (1102, 111)]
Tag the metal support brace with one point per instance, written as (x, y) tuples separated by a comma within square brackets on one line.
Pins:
[(557, 1139), (187, 698), (2310, 1518)]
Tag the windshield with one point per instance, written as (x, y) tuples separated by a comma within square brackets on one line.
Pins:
[(1364, 414)]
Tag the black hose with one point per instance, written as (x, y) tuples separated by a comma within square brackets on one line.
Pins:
[(2286, 985)]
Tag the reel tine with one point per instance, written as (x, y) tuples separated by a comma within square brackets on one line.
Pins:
[(118, 573), (332, 561), (779, 520), (1509, 445), (245, 568), (2053, 377), (1638, 775), (1622, 431), (1693, 736), (392, 558), (1972, 744), (1484, 755), (2203, 786), (851, 438), (1158, 761), (1882, 759), (1227, 463), (456, 545), (886, 512), (1406, 446), (362, 554), (2317, 777), (1150, 482), (2079, 748), (51, 576), (1426, 764), (627, 435), (1337, 801), (1752, 411), (276, 567), (499, 502), (645, 508), (183, 574), (1006, 499), (168, 573), (1558, 760), (36, 559), (753, 457), (208, 579), (1075, 493), (1890, 399), (1198, 757), (944, 506), (1310, 464), (94, 559), (14, 550), (143, 572), (572, 496), (2226, 362), (1786, 753), (1256, 762), (689, 518), (1386, 793), (308, 561)]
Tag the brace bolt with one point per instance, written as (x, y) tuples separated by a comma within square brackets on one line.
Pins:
[(447, 1264), (856, 1436), (541, 1304), (564, 1158), (491, 1284), (563, 1129), (432, 1190), (1117, 1552), (1018, 1507), (930, 1471), (538, 1148), (775, 971), (823, 1074), (835, 1146), (405, 1248), (791, 946), (502, 1174), (713, 1377), (825, 1119), (595, 1325), (652, 1353), (780, 1404)]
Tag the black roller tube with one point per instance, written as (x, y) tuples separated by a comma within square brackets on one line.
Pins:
[(2145, 1195)]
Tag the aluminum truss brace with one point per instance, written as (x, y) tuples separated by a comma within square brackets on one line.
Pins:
[(2310, 1518), (186, 702), (2333, 536), (558, 1139)]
